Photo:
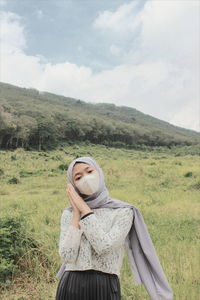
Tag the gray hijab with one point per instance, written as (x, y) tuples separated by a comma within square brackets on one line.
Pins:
[(144, 262)]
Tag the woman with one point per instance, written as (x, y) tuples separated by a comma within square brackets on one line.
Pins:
[(95, 229)]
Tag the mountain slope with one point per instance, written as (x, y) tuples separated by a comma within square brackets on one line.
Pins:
[(33, 119)]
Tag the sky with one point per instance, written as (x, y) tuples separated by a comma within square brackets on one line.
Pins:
[(143, 54)]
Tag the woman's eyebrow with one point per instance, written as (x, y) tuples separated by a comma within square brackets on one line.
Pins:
[(79, 172)]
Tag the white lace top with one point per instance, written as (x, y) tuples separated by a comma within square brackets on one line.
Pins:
[(100, 242)]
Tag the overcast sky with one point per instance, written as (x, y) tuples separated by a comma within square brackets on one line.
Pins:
[(142, 54)]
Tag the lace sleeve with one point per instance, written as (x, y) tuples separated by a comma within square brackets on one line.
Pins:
[(102, 241), (70, 237)]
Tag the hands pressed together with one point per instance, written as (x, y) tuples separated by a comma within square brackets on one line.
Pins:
[(79, 206)]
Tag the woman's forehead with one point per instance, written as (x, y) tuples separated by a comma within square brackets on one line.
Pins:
[(81, 167)]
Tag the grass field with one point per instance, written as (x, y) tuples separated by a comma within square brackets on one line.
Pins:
[(163, 183)]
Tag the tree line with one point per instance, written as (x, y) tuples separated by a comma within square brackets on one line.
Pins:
[(33, 120)]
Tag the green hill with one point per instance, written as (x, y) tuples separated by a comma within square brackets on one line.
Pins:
[(39, 120)]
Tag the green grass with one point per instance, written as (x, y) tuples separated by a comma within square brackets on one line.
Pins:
[(163, 183)]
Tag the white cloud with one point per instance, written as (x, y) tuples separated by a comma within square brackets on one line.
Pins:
[(116, 51), (66, 79), (158, 74), (121, 21), (12, 32), (188, 116), (16, 67), (164, 38), (170, 31)]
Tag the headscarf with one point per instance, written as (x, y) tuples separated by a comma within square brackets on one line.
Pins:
[(144, 262)]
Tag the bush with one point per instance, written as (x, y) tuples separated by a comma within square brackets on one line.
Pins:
[(16, 247), (63, 166), (13, 157), (188, 174), (14, 180)]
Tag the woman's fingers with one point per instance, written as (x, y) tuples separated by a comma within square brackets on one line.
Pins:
[(69, 191), (70, 196), (71, 201), (72, 191), (77, 202)]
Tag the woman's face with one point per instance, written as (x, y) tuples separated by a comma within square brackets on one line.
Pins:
[(80, 170)]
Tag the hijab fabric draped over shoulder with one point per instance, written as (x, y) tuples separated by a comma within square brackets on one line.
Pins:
[(144, 262)]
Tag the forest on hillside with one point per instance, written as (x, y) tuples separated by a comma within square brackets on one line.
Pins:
[(36, 120)]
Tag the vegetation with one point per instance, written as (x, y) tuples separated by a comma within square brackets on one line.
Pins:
[(163, 183), (18, 251), (36, 120)]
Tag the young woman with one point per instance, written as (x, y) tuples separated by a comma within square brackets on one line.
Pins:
[(95, 230)]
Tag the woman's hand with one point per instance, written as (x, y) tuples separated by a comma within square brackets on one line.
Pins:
[(78, 204), (76, 215), (74, 207)]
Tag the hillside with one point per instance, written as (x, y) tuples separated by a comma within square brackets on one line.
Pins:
[(39, 120)]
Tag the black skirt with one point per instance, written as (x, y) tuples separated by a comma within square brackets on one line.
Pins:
[(88, 285)]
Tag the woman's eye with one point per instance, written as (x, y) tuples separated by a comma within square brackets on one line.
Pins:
[(90, 171), (78, 178)]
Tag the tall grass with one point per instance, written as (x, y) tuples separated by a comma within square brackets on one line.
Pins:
[(163, 183)]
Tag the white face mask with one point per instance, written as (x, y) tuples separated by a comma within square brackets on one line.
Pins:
[(88, 184)]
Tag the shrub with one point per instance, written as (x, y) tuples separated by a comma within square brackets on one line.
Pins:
[(14, 180), (188, 174), (18, 250), (13, 157), (63, 167), (10, 245)]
